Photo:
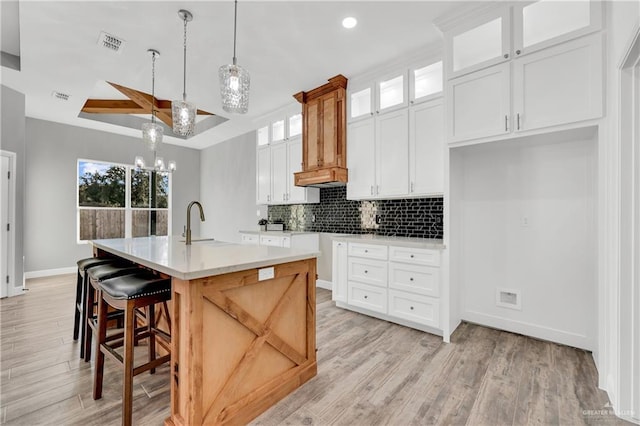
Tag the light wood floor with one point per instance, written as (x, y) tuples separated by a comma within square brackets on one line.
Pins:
[(370, 372)]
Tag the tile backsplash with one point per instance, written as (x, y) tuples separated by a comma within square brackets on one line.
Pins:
[(407, 217)]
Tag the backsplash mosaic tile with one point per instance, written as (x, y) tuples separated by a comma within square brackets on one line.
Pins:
[(407, 217)]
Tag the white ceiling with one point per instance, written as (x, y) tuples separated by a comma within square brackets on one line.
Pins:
[(286, 46)]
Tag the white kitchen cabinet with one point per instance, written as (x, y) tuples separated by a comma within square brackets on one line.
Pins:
[(263, 175), (378, 156), (262, 136), (558, 85), (425, 81), (377, 96), (339, 271), (394, 282), (494, 34), (555, 86), (479, 104), (392, 154), (479, 42), (361, 160), (275, 241), (298, 240), (251, 239), (276, 164), (426, 148)]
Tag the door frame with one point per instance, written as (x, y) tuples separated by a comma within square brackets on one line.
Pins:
[(629, 232), (11, 237)]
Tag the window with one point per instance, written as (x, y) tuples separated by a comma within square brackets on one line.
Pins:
[(116, 201)]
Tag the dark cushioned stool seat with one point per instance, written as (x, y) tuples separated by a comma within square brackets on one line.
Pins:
[(133, 294), (135, 286), (95, 275), (79, 325)]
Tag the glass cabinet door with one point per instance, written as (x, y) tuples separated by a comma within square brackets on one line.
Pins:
[(262, 135), (295, 125), (485, 43), (426, 81), (277, 131), (392, 92), (545, 22), (360, 103)]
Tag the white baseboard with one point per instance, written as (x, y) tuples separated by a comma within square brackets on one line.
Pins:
[(50, 272), (323, 284), (528, 329)]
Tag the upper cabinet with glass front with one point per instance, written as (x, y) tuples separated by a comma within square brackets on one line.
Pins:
[(497, 33), (280, 129), (425, 82)]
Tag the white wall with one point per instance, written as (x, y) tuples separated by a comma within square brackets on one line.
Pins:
[(228, 188), (13, 139), (551, 261), (52, 153)]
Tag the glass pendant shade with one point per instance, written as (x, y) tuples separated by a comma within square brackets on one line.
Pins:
[(159, 164), (139, 162), (152, 135), (234, 88), (184, 117)]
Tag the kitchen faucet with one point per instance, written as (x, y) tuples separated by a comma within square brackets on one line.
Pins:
[(188, 238)]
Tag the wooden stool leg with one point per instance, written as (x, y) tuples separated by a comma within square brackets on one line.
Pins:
[(102, 336), (89, 302), (127, 388), (151, 323), (76, 317)]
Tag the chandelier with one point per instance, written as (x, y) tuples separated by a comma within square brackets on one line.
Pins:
[(234, 80), (152, 132), (183, 112)]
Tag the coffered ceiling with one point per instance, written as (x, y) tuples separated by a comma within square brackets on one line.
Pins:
[(287, 46)]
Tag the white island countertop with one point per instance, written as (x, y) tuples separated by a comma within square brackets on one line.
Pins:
[(203, 258)]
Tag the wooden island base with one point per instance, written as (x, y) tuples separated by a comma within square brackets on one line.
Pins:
[(240, 344)]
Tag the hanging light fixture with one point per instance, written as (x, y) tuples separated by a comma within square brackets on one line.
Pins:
[(234, 80), (183, 112), (152, 132)]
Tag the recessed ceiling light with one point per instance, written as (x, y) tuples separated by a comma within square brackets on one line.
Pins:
[(349, 22)]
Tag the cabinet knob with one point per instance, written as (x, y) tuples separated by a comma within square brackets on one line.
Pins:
[(412, 256), (518, 52), (411, 102), (366, 297), (366, 272), (411, 307), (371, 113), (377, 112), (366, 251), (411, 279), (506, 55)]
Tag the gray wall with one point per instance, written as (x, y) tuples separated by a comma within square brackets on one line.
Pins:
[(228, 188), (13, 139), (52, 153)]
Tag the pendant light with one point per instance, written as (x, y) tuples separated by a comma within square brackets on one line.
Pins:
[(234, 80), (183, 112), (152, 132)]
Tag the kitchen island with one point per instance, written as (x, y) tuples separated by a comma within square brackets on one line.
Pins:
[(242, 323)]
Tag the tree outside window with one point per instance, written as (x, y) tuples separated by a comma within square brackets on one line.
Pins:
[(104, 211)]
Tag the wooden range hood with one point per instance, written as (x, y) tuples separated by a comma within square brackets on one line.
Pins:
[(324, 135)]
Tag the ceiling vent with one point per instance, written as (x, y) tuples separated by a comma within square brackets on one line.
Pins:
[(110, 42), (60, 96)]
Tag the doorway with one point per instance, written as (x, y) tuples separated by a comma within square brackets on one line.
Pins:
[(629, 296), (7, 225)]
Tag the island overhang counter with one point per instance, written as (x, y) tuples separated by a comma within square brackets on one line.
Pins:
[(242, 323)]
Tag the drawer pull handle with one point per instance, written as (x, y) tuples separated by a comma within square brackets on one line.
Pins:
[(411, 307), (368, 296)]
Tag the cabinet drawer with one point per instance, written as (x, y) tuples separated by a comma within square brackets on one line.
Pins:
[(411, 307), (415, 278), (371, 251), (367, 271), (266, 240), (367, 297), (250, 239), (415, 255)]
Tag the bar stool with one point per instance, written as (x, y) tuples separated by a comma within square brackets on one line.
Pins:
[(130, 293), (81, 291), (95, 276)]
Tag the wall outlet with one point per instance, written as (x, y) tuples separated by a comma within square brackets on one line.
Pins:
[(524, 222), (508, 298)]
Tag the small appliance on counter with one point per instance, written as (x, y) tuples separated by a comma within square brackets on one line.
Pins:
[(275, 226)]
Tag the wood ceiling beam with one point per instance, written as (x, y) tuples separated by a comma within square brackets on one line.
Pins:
[(113, 106), (145, 101)]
